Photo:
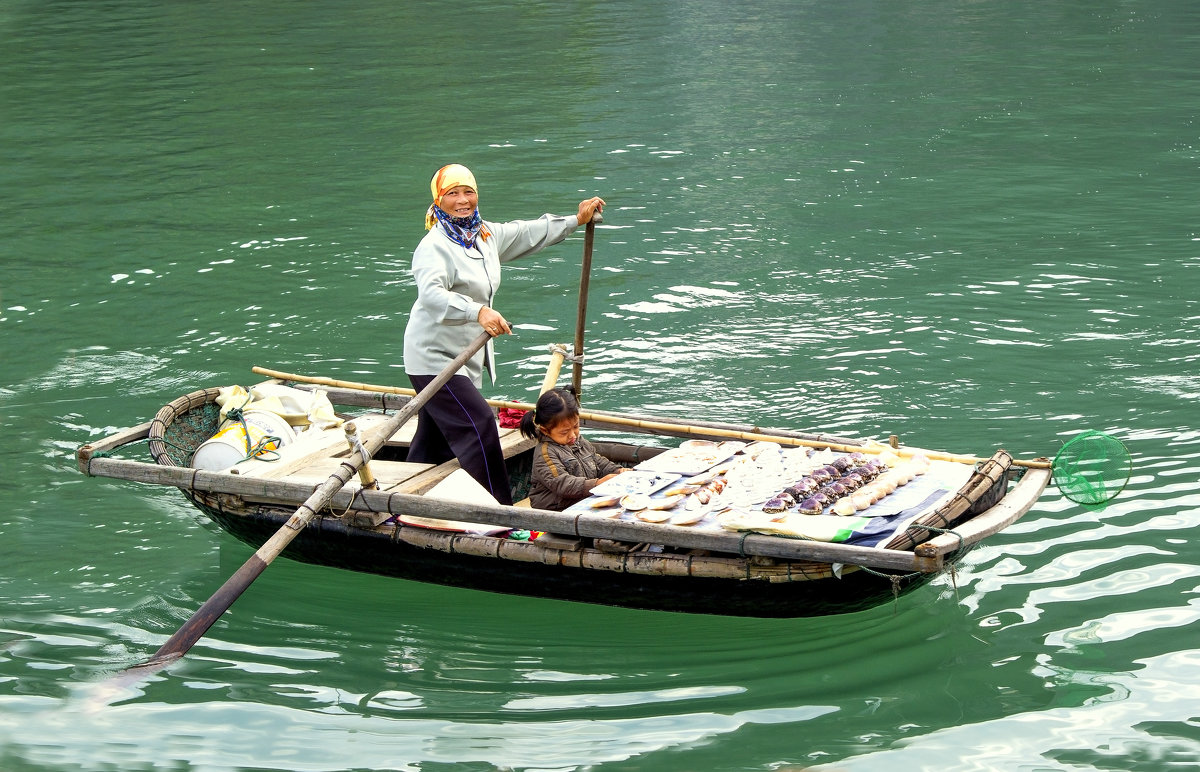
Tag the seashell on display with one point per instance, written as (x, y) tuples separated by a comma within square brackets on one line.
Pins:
[(777, 504), (756, 449), (811, 506), (844, 506), (635, 501), (688, 517)]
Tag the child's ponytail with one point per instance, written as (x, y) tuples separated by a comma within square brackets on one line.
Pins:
[(553, 406)]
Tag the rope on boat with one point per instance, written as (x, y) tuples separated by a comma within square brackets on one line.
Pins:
[(182, 450), (94, 455), (558, 348), (349, 506), (269, 444), (897, 579)]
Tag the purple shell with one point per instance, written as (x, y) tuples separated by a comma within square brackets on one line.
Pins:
[(777, 504), (805, 486), (853, 481), (812, 506), (822, 475), (842, 463)]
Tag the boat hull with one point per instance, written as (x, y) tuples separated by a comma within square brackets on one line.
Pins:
[(330, 542), (586, 559)]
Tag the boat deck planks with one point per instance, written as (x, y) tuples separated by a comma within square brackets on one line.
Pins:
[(314, 456), (317, 470), (511, 442)]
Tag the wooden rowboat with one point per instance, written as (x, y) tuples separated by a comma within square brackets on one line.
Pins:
[(409, 526)]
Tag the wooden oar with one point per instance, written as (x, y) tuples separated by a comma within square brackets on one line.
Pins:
[(179, 643), (673, 427), (584, 280)]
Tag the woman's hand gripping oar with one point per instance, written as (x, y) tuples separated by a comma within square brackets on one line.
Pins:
[(179, 643)]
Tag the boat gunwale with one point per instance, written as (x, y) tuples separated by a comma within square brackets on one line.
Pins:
[(915, 557)]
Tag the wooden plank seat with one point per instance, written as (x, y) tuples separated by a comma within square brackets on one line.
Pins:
[(511, 442), (387, 473), (316, 455)]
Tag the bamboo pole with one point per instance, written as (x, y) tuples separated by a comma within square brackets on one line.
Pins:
[(581, 525), (675, 427), (365, 475), (558, 353), (584, 280)]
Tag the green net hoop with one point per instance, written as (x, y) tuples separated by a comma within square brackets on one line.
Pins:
[(1092, 468)]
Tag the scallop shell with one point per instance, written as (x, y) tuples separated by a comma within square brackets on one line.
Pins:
[(635, 501), (755, 449), (689, 517)]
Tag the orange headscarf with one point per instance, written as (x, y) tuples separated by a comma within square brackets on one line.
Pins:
[(447, 177)]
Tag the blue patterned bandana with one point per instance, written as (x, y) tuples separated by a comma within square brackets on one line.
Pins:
[(463, 230)]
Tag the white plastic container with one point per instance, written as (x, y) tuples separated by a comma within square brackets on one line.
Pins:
[(228, 446)]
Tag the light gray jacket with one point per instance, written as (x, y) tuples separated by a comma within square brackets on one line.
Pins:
[(454, 283)]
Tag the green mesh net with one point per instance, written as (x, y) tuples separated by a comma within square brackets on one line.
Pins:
[(1092, 468)]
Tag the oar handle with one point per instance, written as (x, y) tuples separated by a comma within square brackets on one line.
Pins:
[(584, 280), (199, 623)]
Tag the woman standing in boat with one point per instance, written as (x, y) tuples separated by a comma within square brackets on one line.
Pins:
[(457, 272)]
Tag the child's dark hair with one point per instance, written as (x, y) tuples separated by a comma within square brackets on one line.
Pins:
[(554, 405)]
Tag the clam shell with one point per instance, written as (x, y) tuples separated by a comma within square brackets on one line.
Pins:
[(689, 517), (635, 501)]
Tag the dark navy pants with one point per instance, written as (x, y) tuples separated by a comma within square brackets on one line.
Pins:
[(459, 423)]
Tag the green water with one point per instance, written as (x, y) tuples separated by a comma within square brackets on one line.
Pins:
[(969, 224)]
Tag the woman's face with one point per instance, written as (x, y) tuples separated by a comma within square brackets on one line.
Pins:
[(459, 201)]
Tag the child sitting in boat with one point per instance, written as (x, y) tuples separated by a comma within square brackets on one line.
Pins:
[(565, 466)]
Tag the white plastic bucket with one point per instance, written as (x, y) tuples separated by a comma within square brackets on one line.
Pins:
[(228, 446)]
